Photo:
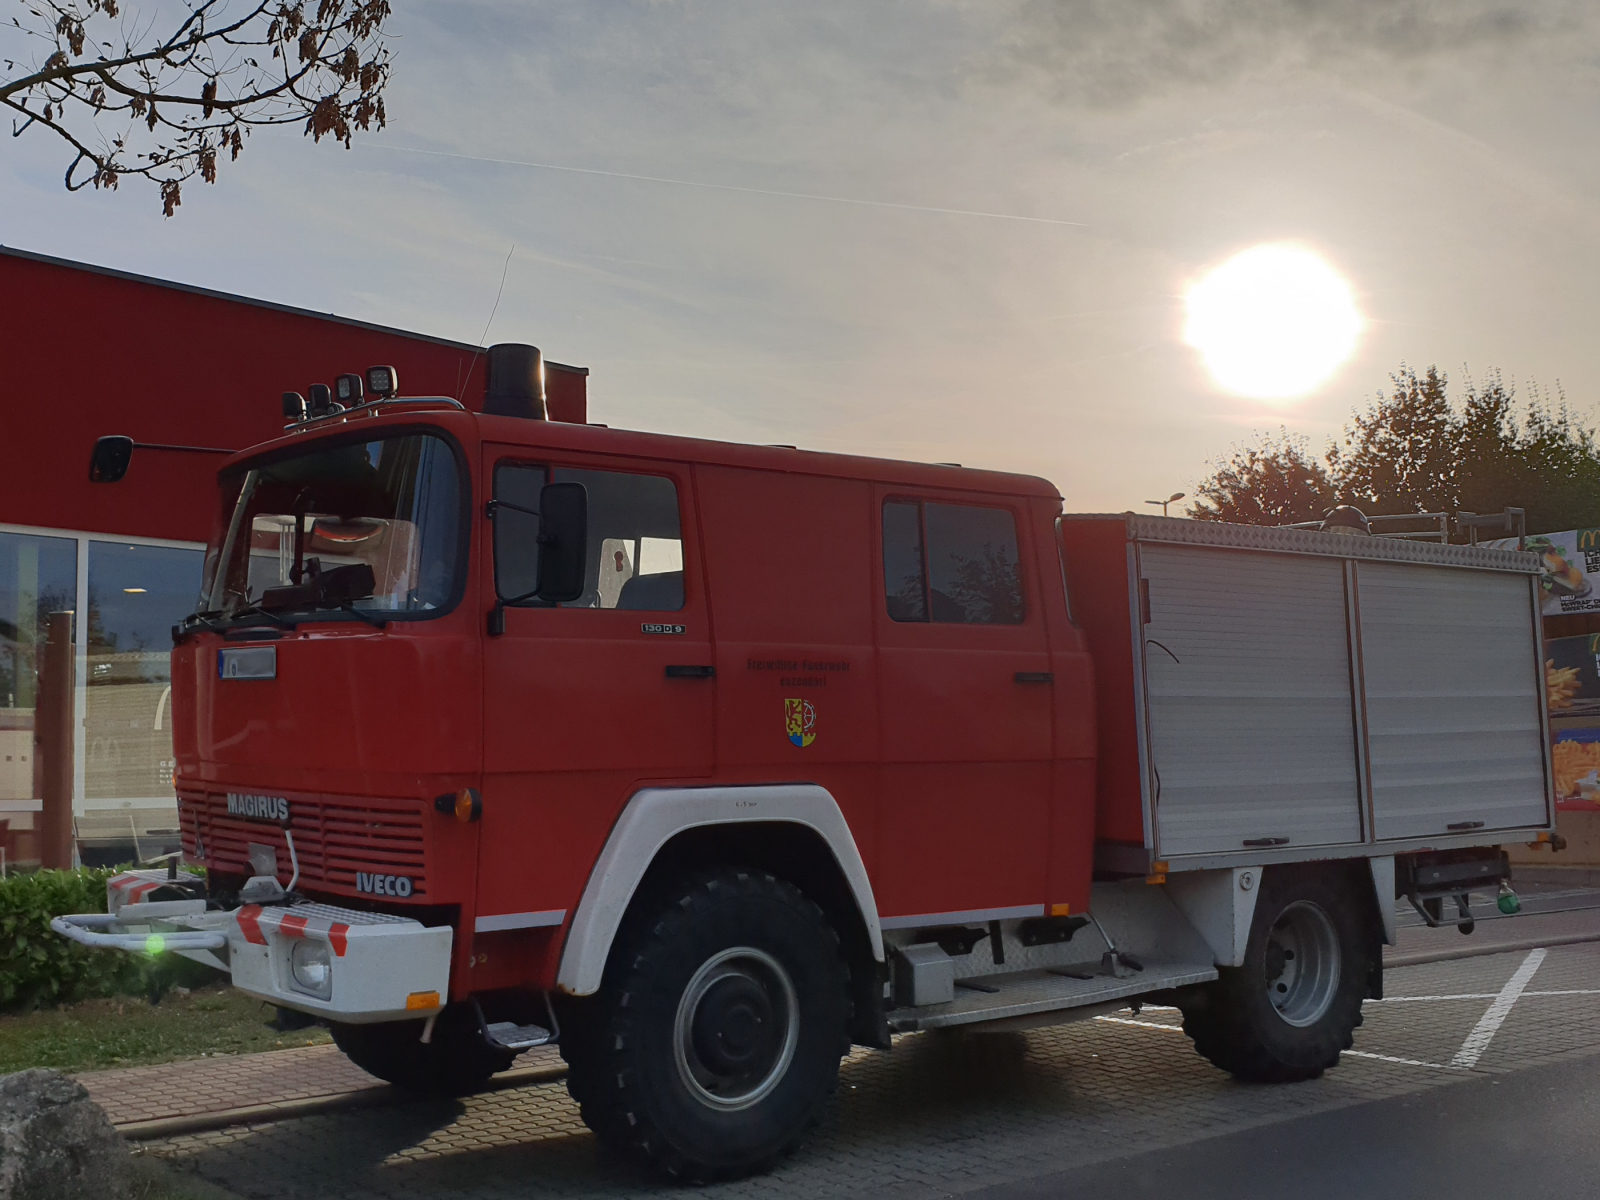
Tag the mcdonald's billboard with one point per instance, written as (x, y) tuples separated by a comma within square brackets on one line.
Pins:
[(1571, 581)]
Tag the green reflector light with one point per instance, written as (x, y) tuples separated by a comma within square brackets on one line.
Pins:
[(154, 944)]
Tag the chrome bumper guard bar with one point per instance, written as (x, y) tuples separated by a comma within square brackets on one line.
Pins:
[(148, 928)]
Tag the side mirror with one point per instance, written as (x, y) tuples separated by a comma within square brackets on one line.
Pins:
[(109, 462), (543, 553), (563, 541)]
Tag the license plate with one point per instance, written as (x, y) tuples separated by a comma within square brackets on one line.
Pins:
[(248, 662)]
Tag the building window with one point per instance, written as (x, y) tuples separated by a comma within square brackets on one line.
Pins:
[(126, 596), (951, 563), (38, 576), (137, 593)]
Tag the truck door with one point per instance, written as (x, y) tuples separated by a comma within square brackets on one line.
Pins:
[(587, 701), (965, 710)]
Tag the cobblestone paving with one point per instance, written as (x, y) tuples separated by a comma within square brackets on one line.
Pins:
[(940, 1114)]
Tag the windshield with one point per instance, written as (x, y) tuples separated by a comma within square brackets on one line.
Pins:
[(306, 531)]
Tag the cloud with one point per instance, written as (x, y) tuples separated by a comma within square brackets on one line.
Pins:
[(1109, 53)]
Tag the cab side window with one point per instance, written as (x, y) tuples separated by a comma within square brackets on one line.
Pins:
[(951, 563), (634, 559)]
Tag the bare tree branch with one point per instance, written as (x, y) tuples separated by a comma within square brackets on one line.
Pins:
[(129, 100)]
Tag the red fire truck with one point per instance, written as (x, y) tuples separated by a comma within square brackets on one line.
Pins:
[(708, 761)]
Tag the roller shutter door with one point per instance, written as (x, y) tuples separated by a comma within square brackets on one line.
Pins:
[(1452, 699), (1248, 688)]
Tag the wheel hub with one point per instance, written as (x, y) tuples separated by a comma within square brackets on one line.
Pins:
[(1302, 963), (733, 1025), (736, 1029)]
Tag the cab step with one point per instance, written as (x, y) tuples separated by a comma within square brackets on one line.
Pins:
[(1032, 993), (510, 1036)]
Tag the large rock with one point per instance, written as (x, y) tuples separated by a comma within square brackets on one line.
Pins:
[(57, 1144)]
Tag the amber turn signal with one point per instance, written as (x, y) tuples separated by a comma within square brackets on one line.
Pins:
[(465, 805)]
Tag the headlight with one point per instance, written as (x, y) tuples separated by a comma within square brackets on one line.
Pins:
[(311, 968)]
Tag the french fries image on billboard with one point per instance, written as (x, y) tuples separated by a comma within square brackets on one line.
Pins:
[(1561, 684), (1575, 762)]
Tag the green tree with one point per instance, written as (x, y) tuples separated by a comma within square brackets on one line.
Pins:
[(1414, 450), (1276, 481), (1401, 455)]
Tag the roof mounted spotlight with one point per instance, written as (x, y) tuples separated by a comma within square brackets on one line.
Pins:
[(347, 389), (383, 381), (1348, 520), (319, 400), (294, 407)]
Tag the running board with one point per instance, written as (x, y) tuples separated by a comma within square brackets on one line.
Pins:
[(1028, 993), (508, 1035)]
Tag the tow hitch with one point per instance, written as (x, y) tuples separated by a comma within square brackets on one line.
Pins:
[(1428, 880)]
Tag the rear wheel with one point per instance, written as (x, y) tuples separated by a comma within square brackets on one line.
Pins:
[(453, 1062), (1292, 1007), (716, 1038)]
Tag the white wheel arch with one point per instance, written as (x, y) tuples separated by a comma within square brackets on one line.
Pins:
[(656, 815)]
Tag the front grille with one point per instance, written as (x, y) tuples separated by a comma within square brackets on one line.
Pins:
[(334, 838)]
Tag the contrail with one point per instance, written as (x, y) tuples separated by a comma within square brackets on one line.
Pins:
[(728, 187)]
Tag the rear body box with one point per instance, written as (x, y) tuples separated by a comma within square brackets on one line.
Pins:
[(1278, 694)]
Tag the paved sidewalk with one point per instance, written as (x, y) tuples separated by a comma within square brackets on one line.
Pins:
[(227, 1086)]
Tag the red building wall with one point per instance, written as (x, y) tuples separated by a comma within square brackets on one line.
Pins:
[(86, 352)]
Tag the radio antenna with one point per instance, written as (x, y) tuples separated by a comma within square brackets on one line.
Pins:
[(482, 336)]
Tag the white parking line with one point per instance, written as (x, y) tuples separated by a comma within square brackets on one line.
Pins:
[(1489, 1024), (1409, 1062), (1141, 1024)]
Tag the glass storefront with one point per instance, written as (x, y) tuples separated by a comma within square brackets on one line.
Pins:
[(133, 593), (137, 593), (38, 576)]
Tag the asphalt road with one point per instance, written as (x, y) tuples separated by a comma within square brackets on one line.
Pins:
[(1531, 1133)]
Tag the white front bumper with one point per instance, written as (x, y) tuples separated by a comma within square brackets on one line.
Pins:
[(381, 968), (378, 967)]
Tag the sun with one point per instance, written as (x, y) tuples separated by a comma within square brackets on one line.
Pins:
[(1272, 322)]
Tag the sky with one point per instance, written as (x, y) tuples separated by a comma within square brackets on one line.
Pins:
[(992, 211)]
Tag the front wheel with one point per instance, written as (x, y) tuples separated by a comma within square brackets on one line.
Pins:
[(717, 1035), (1293, 1006)]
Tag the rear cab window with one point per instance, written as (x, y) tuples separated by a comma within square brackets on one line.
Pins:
[(953, 564)]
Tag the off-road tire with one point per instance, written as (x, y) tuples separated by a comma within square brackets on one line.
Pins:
[(454, 1062), (1233, 1021), (627, 1049)]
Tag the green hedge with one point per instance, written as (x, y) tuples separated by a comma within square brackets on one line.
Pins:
[(39, 967)]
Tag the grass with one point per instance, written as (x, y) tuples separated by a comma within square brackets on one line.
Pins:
[(129, 1032)]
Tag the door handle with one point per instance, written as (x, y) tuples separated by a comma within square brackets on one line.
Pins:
[(1268, 841), (1034, 677), (690, 671)]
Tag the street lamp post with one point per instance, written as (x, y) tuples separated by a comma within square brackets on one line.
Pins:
[(1172, 499)]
